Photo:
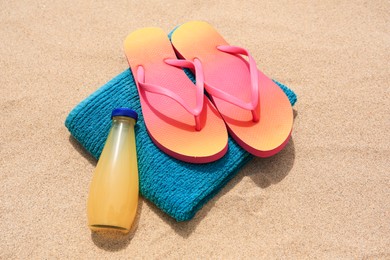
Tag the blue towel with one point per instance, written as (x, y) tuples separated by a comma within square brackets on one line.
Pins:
[(180, 189)]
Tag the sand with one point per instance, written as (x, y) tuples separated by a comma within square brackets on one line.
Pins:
[(327, 195)]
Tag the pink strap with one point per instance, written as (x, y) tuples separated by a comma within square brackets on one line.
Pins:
[(195, 65), (254, 83)]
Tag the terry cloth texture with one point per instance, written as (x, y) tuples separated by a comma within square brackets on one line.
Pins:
[(180, 189)]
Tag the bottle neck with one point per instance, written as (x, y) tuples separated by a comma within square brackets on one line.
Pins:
[(123, 120)]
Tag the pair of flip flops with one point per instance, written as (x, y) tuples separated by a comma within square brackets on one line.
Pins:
[(185, 123)]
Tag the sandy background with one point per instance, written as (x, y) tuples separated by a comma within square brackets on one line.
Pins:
[(327, 195)]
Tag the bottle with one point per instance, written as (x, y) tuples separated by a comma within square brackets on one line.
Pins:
[(113, 194)]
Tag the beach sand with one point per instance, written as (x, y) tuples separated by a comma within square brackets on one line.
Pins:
[(326, 195)]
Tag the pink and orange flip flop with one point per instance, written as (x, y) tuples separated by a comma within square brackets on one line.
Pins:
[(256, 111), (179, 118)]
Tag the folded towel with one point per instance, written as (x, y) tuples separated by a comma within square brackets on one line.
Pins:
[(180, 189)]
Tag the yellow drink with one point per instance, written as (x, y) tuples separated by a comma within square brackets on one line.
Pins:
[(113, 195)]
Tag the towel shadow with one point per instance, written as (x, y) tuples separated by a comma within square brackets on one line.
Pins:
[(263, 171), (267, 171), (184, 228), (115, 240), (76, 145)]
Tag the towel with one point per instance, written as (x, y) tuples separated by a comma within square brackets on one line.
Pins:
[(178, 188)]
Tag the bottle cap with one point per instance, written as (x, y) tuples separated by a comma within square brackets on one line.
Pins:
[(124, 111)]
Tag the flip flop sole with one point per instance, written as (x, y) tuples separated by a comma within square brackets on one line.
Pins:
[(171, 127), (230, 73)]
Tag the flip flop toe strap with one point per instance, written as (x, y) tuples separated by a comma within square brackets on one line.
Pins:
[(197, 67), (253, 104)]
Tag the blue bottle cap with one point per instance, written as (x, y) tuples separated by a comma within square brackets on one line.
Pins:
[(124, 111)]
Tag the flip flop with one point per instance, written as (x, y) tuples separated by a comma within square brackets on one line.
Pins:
[(256, 111), (179, 118)]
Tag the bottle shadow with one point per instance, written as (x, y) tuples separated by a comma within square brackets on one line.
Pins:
[(112, 240), (263, 171)]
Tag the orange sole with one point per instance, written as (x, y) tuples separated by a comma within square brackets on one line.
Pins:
[(230, 73), (170, 126)]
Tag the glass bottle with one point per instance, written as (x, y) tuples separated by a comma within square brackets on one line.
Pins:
[(113, 194)]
